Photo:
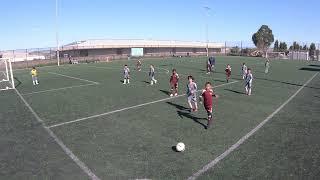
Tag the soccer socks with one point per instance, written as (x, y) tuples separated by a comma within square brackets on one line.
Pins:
[(37, 82), (124, 81), (128, 80)]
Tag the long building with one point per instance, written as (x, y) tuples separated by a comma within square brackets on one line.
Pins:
[(116, 49)]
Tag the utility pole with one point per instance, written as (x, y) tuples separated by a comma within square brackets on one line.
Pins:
[(207, 9), (57, 33)]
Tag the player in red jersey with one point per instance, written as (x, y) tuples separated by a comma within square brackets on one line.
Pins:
[(207, 99), (174, 80), (228, 72)]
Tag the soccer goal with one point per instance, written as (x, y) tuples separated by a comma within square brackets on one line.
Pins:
[(6, 75)]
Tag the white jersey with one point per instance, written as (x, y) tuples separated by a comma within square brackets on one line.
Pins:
[(249, 78), (244, 68), (126, 72)]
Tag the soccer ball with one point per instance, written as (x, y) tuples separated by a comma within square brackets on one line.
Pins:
[(180, 147), (7, 87)]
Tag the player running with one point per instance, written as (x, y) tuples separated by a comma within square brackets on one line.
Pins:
[(126, 75), (248, 82), (207, 99), (151, 75), (138, 65), (192, 94), (267, 66), (244, 70), (210, 64), (34, 75), (228, 72), (174, 80)]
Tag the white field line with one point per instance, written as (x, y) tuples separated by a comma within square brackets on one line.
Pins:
[(74, 77), (245, 137), (167, 71), (4, 80), (57, 89), (120, 69), (127, 108), (68, 152), (163, 69)]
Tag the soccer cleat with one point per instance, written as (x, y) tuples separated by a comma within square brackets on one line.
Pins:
[(151, 83), (176, 94), (155, 81), (171, 95)]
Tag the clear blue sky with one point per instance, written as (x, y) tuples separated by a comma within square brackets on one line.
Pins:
[(31, 23)]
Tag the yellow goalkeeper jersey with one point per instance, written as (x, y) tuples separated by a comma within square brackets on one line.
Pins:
[(34, 72)]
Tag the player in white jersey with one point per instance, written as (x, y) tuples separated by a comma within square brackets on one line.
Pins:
[(192, 94), (244, 70), (267, 66), (126, 75), (151, 75), (248, 82)]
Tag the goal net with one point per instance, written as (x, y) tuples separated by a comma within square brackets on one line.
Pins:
[(6, 75)]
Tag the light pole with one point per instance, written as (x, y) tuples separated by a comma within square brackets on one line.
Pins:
[(57, 33), (207, 9)]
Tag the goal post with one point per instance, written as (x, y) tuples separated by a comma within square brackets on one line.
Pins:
[(6, 75)]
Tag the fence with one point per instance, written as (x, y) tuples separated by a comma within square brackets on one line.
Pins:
[(26, 58)]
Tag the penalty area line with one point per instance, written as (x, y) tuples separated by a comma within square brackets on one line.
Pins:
[(127, 108), (211, 164), (57, 89), (74, 77), (66, 150)]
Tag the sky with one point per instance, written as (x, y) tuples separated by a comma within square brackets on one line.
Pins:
[(31, 23)]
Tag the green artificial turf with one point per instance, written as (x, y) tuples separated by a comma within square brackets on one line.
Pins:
[(137, 142)]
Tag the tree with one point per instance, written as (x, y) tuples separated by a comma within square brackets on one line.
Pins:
[(295, 46), (305, 48), (283, 47), (312, 50), (276, 46), (263, 38)]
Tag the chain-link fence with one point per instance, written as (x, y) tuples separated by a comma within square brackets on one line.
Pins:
[(26, 58)]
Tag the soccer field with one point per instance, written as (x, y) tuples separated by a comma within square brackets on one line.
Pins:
[(81, 122)]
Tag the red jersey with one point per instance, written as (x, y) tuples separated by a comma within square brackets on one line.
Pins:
[(174, 79), (207, 98)]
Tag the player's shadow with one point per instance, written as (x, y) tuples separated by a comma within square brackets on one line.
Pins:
[(184, 113), (146, 82), (121, 81), (178, 106), (288, 83), (165, 91), (190, 116), (309, 69), (234, 91), (314, 65)]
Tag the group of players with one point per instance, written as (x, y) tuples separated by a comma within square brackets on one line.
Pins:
[(207, 94)]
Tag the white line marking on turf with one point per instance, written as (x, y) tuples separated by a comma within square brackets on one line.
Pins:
[(73, 77), (244, 138), (120, 69), (57, 89), (127, 108), (163, 69), (59, 142)]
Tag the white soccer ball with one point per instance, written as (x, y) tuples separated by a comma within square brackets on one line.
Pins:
[(7, 87), (180, 147)]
